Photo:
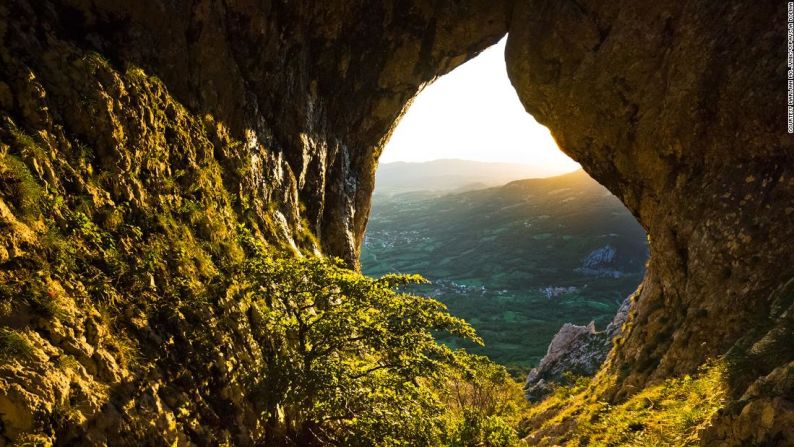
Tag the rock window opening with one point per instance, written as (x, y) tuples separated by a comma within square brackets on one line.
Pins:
[(474, 195)]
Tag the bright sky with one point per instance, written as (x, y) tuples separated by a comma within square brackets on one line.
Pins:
[(473, 113)]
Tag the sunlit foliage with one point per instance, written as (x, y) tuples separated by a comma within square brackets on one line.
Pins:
[(350, 360), (671, 413)]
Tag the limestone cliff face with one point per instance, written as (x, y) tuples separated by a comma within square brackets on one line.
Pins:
[(675, 107), (139, 139), (138, 142)]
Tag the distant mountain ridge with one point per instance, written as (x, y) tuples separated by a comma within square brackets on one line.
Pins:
[(449, 175)]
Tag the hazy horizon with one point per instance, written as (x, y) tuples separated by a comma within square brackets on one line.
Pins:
[(455, 175), (473, 113)]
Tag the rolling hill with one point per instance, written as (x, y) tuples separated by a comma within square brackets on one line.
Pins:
[(449, 175)]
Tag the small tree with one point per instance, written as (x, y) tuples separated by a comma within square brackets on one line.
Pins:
[(348, 358)]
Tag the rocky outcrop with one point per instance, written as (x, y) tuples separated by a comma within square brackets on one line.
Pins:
[(573, 352), (140, 138), (601, 262), (599, 257)]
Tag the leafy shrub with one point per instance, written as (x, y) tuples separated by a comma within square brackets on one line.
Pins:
[(484, 405), (349, 360), (477, 429)]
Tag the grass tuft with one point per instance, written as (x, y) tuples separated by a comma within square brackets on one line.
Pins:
[(672, 413)]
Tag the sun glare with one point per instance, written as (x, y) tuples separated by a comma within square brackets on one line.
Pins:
[(474, 113)]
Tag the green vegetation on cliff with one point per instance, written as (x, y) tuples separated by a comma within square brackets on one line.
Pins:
[(142, 303), (164, 299), (101, 302), (672, 413)]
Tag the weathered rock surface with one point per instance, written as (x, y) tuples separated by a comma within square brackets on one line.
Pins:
[(576, 351), (137, 137), (673, 106)]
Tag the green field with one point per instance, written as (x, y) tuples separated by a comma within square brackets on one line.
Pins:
[(490, 253)]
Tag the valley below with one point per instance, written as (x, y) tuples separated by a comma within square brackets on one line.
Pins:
[(516, 261)]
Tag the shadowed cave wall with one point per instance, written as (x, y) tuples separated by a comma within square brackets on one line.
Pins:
[(676, 108), (272, 114)]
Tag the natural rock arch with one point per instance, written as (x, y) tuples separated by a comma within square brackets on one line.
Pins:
[(676, 107)]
